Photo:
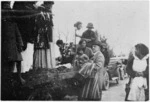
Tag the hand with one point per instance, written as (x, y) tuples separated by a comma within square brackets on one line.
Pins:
[(76, 35), (88, 40)]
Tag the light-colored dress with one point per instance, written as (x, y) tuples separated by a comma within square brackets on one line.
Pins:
[(78, 32)]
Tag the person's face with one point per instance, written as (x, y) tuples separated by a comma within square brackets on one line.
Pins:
[(79, 26), (95, 48), (83, 44), (80, 52), (89, 28)]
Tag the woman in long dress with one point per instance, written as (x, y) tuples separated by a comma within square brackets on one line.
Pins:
[(42, 57), (138, 70), (93, 72)]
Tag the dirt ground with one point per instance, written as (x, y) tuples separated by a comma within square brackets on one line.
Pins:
[(115, 92)]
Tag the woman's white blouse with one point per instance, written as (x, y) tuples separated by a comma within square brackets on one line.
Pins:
[(139, 65)]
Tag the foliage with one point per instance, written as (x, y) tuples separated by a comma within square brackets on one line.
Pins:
[(106, 45)]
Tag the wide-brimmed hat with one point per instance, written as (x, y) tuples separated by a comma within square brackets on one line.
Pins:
[(90, 25), (98, 43)]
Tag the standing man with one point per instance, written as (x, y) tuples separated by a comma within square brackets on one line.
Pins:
[(11, 45), (93, 73), (89, 35)]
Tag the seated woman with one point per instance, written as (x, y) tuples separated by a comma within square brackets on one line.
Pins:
[(67, 53), (86, 50)]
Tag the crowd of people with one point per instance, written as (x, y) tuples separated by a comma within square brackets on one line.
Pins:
[(90, 57)]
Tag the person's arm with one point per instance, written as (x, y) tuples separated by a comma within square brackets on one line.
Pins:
[(94, 37), (18, 35), (78, 36), (18, 39), (107, 58), (99, 62), (90, 53), (146, 72), (85, 57), (129, 68)]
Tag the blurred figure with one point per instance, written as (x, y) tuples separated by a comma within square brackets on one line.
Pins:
[(80, 58), (78, 26), (138, 71), (89, 35), (105, 52), (67, 53), (61, 46), (11, 45)]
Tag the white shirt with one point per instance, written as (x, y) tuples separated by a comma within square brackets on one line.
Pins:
[(139, 65), (78, 32)]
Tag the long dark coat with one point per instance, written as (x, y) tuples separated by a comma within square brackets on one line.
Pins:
[(11, 42), (92, 89)]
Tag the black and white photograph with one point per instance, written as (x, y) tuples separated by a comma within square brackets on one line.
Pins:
[(88, 50)]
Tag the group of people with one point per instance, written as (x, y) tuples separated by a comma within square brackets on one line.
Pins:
[(88, 59), (90, 62), (92, 69), (20, 28)]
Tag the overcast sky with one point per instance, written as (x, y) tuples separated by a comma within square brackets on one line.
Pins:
[(124, 23)]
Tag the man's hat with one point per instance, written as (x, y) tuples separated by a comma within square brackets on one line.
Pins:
[(90, 25), (97, 43)]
